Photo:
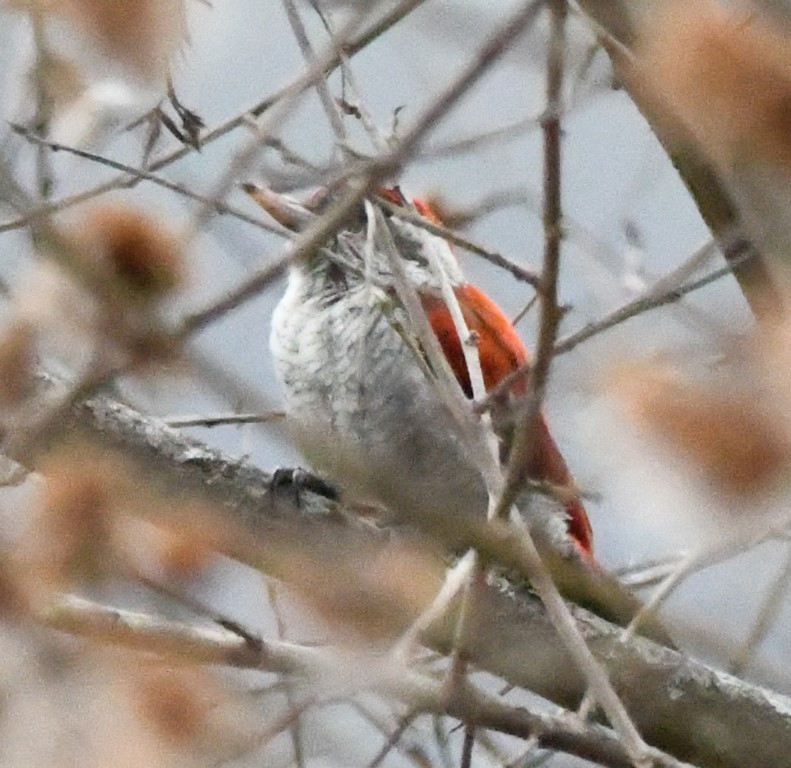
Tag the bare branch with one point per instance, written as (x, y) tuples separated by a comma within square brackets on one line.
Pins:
[(674, 701), (642, 304), (309, 56), (767, 615), (201, 645)]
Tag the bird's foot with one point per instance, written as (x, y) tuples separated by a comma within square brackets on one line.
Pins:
[(296, 480)]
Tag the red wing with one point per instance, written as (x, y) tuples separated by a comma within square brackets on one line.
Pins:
[(501, 353)]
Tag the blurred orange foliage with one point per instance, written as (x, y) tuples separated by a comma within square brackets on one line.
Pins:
[(725, 73)]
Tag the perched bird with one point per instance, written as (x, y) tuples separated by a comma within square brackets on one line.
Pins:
[(358, 387)]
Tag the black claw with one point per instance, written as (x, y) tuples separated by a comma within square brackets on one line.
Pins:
[(297, 480)]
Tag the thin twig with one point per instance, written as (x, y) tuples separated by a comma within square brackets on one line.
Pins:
[(767, 615), (220, 207), (392, 740), (511, 130), (705, 557), (223, 419), (522, 313), (308, 54), (649, 573), (41, 120), (360, 108), (523, 445), (549, 311), (685, 271), (466, 747), (349, 80), (643, 304), (455, 581), (297, 740)]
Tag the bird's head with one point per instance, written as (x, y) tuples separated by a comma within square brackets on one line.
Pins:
[(375, 235)]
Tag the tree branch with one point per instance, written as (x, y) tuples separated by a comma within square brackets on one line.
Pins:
[(680, 706)]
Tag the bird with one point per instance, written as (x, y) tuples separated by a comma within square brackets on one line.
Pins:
[(358, 389)]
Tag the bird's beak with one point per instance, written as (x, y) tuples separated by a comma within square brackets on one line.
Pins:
[(284, 209)]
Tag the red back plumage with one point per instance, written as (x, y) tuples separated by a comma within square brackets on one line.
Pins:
[(501, 353)]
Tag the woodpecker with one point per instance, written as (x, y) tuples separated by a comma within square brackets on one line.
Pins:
[(363, 407), (359, 398)]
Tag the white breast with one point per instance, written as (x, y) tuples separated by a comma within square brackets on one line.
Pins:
[(361, 408)]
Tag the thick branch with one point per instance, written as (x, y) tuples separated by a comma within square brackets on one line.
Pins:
[(684, 708)]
